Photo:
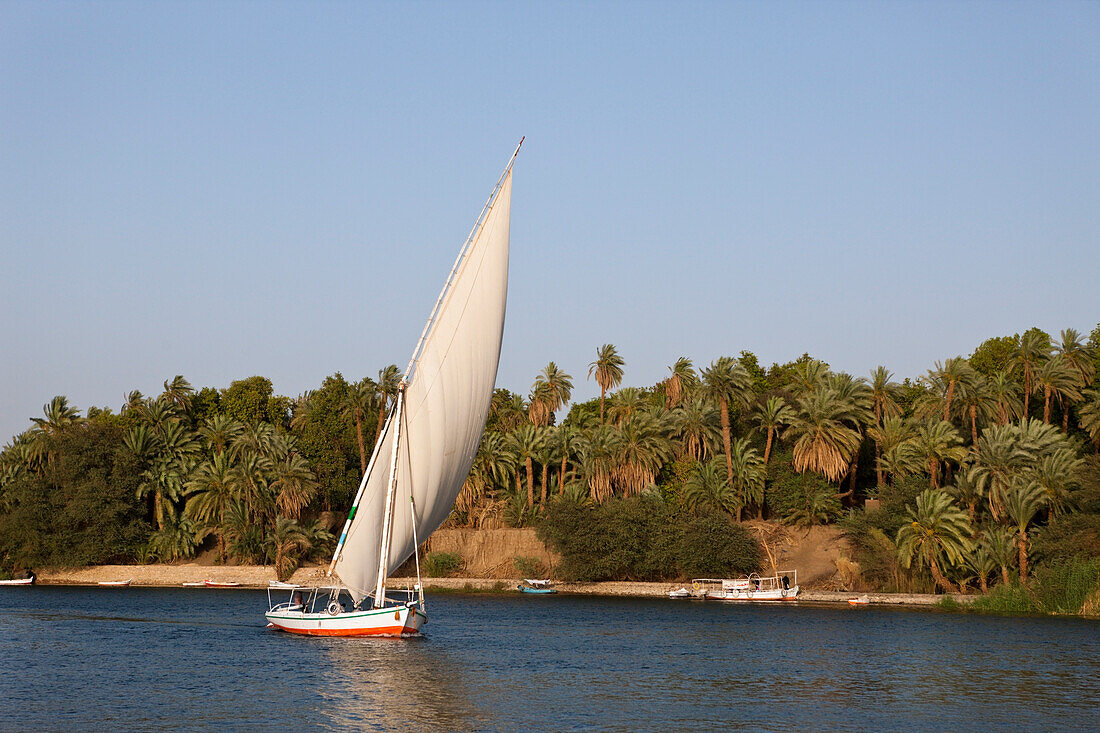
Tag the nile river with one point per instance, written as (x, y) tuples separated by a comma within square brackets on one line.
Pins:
[(133, 659)]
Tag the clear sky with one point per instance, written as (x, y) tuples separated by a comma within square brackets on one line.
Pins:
[(227, 189)]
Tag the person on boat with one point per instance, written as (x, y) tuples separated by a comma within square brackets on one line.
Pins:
[(297, 601), (786, 583), (32, 576)]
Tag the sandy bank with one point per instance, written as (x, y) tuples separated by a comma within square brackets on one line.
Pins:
[(258, 576)]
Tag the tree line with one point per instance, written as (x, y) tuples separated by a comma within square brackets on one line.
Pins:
[(969, 464)]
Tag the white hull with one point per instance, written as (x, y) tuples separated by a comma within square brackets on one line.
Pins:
[(21, 581), (779, 594), (116, 583), (386, 621)]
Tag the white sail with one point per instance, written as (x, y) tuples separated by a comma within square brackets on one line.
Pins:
[(446, 402)]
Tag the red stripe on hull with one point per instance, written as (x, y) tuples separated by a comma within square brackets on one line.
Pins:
[(378, 631)]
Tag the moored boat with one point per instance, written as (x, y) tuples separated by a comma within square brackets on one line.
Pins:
[(424, 448), (859, 600), (116, 583), (537, 587), (680, 592), (194, 584), (221, 584), (18, 581), (783, 586)]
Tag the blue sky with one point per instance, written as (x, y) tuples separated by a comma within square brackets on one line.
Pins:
[(222, 190)]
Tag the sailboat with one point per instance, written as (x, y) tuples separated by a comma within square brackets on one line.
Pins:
[(424, 450)]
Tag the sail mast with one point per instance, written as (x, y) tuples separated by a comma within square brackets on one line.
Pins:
[(391, 491)]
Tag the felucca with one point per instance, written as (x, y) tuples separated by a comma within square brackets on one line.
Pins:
[(424, 451)]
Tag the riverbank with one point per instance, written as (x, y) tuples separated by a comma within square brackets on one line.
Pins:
[(259, 576)]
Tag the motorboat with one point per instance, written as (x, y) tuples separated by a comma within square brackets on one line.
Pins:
[(783, 586)]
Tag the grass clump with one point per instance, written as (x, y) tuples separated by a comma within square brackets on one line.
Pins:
[(442, 564)]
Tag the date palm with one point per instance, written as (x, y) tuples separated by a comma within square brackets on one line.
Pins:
[(567, 440), (552, 389), (937, 442), (681, 381), (608, 371), (1077, 354), (1089, 416), (772, 417), (944, 380), (1033, 350), (808, 375), (1001, 542), (747, 478), (209, 494), (708, 487), (695, 428), (643, 449), (969, 489), (1057, 380), (286, 543), (884, 394), (526, 442), (178, 392), (1005, 395), (625, 403), (1023, 500), (294, 485), (358, 401), (386, 389), (726, 381), (976, 401), (59, 415), (599, 453), (892, 440), (220, 431), (1057, 475), (936, 535), (823, 441)]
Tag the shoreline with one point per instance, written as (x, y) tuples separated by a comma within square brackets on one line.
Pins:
[(258, 576)]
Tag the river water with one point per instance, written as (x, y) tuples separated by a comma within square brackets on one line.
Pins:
[(134, 659)]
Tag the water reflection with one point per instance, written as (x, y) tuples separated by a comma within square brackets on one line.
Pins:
[(396, 684)]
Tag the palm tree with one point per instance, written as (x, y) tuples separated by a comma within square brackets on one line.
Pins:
[(287, 541), (724, 381), (220, 431), (526, 442), (59, 416), (682, 379), (695, 427), (1057, 475), (643, 449), (1002, 545), (977, 402), (947, 376), (808, 375), (567, 439), (209, 494), (1033, 350), (386, 389), (625, 403), (708, 487), (772, 417), (884, 395), (1005, 395), (1023, 501), (178, 392), (1077, 355), (357, 402), (1089, 416), (937, 442), (969, 488), (552, 389), (1058, 380), (936, 532), (608, 370), (823, 442), (599, 452), (176, 540), (892, 442), (294, 485), (747, 478)]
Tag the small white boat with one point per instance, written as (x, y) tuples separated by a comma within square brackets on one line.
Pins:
[(680, 592), (194, 584), (280, 584), (221, 584), (18, 581), (859, 600), (783, 586), (116, 583)]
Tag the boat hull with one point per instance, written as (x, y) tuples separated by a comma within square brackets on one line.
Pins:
[(388, 621), (20, 581), (780, 594)]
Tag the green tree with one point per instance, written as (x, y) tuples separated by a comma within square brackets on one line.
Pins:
[(725, 381), (608, 371), (936, 535), (1023, 500), (772, 417), (823, 441), (681, 381)]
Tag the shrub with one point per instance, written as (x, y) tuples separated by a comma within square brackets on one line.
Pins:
[(442, 564), (803, 497), (528, 567), (715, 546), (1069, 536)]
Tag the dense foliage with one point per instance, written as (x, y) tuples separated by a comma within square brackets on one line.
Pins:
[(978, 473)]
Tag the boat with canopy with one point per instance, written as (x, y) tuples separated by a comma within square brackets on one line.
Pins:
[(424, 450)]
